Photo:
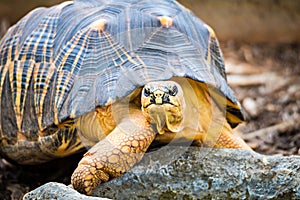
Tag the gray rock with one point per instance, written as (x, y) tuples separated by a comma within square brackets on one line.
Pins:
[(193, 173), (196, 173), (57, 191)]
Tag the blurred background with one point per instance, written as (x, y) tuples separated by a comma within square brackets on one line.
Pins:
[(241, 20), (260, 41)]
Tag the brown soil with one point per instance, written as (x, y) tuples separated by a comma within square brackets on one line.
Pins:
[(266, 79), (268, 87)]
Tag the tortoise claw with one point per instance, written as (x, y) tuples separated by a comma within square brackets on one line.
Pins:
[(87, 177)]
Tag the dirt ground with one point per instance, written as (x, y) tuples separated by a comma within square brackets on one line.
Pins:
[(266, 79)]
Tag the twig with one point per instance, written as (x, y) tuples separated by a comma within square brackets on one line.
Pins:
[(251, 80), (232, 67), (279, 128), (282, 84)]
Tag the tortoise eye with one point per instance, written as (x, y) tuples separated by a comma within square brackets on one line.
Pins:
[(173, 91), (147, 92)]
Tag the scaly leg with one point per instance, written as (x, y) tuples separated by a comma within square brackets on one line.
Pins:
[(221, 135), (227, 139), (114, 155)]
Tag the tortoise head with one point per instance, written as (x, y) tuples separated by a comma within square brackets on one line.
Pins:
[(163, 105)]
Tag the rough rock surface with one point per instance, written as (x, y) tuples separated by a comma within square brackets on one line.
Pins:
[(193, 173), (57, 191)]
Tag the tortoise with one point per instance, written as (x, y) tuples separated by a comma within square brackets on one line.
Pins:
[(113, 77)]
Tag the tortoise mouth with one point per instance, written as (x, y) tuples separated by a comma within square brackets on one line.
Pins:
[(161, 104)]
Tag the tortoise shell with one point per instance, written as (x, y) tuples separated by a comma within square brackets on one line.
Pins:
[(62, 62)]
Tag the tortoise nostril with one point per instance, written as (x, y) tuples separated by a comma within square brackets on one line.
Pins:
[(158, 94)]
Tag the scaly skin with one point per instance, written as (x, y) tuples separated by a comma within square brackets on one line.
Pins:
[(114, 155), (221, 135)]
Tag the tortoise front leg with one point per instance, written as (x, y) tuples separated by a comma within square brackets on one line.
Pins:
[(227, 139), (114, 155), (221, 135)]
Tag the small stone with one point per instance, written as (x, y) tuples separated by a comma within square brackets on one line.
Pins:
[(250, 106), (58, 191)]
